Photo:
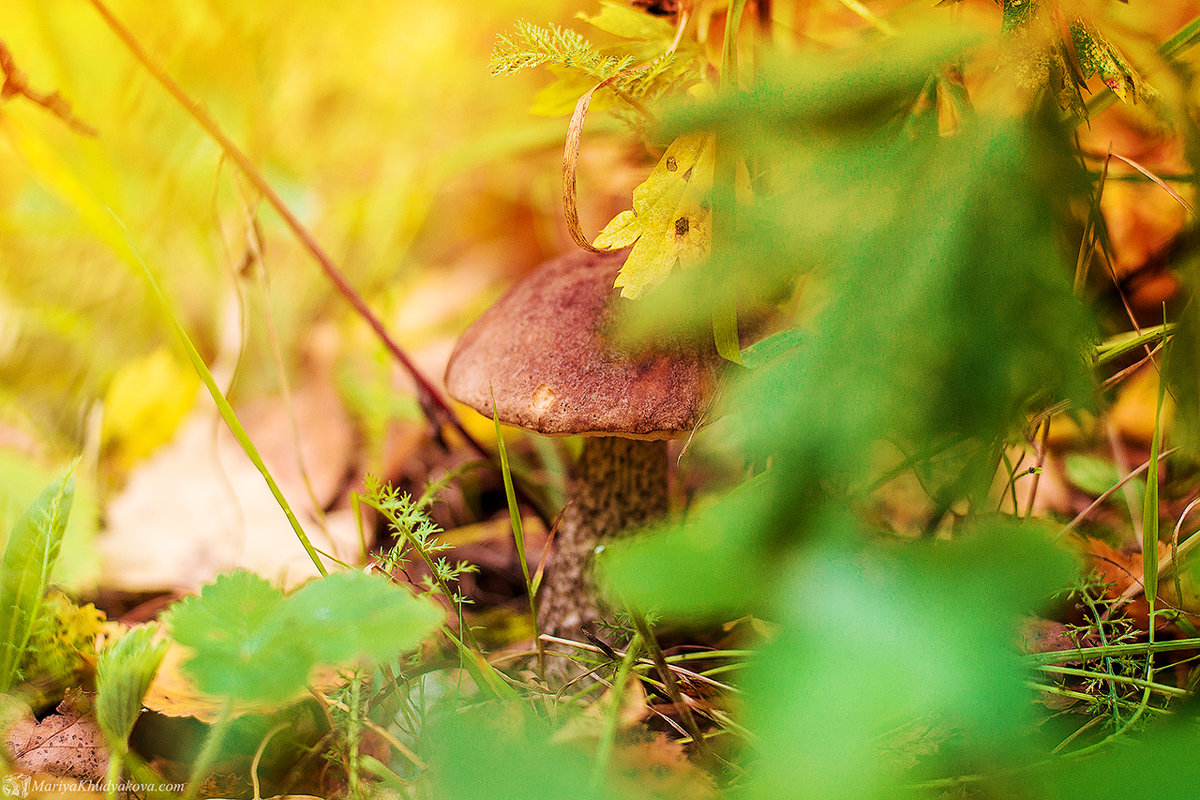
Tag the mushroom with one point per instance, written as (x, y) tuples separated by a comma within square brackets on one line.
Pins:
[(543, 351)]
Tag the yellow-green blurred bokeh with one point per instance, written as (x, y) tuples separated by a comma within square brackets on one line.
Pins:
[(376, 121)]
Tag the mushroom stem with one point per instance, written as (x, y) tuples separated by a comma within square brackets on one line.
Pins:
[(619, 484)]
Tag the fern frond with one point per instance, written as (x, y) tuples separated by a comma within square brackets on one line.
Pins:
[(533, 46), (416, 534), (656, 75)]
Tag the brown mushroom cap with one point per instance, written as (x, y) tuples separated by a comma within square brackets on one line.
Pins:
[(543, 351)]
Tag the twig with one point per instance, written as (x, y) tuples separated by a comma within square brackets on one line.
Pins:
[(1107, 493), (17, 83)]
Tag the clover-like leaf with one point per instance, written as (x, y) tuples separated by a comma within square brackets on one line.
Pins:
[(354, 614), (251, 643), (238, 652)]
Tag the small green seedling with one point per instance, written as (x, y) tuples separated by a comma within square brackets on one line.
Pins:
[(29, 558)]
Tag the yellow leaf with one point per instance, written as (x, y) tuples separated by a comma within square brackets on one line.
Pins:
[(622, 231), (671, 220), (144, 404)]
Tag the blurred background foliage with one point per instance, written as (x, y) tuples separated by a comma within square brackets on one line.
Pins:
[(379, 126)]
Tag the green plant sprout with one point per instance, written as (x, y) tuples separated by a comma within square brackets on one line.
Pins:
[(123, 676), (25, 571), (416, 535)]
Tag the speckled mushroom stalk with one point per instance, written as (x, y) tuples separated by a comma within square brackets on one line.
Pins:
[(619, 484), (543, 352)]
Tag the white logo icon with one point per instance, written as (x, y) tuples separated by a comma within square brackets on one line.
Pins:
[(15, 785)]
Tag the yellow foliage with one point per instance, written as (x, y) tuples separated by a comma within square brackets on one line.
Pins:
[(145, 403)]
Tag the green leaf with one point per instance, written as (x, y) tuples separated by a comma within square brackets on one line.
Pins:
[(25, 570), (238, 651), (352, 614), (123, 675), (937, 309), (671, 222), (1096, 475), (1092, 474), (941, 304), (879, 647), (21, 482), (695, 570), (1107, 775), (252, 643), (490, 752)]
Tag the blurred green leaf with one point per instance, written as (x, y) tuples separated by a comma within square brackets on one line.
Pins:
[(873, 641), (1160, 763), (252, 643), (238, 652), (501, 752), (1092, 474), (351, 614), (938, 300), (711, 566)]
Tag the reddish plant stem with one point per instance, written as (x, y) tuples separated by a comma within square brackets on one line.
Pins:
[(428, 394), (17, 83)]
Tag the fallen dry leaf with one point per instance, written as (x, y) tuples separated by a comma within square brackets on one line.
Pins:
[(1038, 635), (659, 768), (199, 507), (1120, 570), (67, 743)]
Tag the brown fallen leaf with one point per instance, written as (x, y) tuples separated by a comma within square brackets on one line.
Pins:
[(67, 743), (199, 507), (1120, 571), (1038, 635)]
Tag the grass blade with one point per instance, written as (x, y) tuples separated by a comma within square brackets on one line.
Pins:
[(1150, 505), (518, 529)]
